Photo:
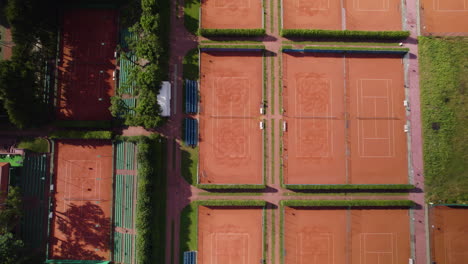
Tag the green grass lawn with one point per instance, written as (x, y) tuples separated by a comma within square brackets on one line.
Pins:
[(444, 83), (190, 65), (189, 163), (192, 15), (38, 145), (14, 160)]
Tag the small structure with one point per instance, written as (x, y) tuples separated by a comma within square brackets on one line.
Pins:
[(164, 98)]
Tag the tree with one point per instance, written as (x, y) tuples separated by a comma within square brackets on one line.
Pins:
[(10, 210), (11, 249)]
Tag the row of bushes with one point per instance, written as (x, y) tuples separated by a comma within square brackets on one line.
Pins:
[(231, 203), (231, 186), (349, 186), (151, 200), (208, 32), (348, 203), (240, 47), (401, 51), (73, 134), (345, 34)]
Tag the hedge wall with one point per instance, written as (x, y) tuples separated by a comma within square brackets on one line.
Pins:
[(231, 203), (400, 51), (231, 186), (345, 34), (349, 187), (348, 203), (232, 32), (71, 134), (214, 46)]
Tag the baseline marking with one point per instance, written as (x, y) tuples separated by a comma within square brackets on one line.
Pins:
[(450, 5), (370, 250)]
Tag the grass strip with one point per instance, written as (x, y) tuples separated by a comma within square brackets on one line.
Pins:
[(71, 134), (444, 81), (258, 32), (272, 151), (265, 151), (345, 193), (189, 163), (281, 151), (273, 240), (190, 65), (339, 43), (231, 41), (272, 26), (231, 186), (231, 193), (345, 34), (348, 203), (280, 83), (350, 186), (188, 230), (402, 51), (192, 15), (38, 145)]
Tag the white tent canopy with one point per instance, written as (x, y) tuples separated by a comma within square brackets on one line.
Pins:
[(164, 99)]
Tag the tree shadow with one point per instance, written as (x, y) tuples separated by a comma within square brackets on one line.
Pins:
[(84, 227)]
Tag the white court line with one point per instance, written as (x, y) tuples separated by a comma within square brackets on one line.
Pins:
[(436, 6), (363, 247), (390, 129), (245, 237), (302, 252), (385, 6)]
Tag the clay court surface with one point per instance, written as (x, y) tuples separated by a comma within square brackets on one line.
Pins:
[(342, 14), (228, 14), (449, 234), (80, 228), (86, 64), (357, 236), (230, 136), (230, 235), (444, 17), (345, 120)]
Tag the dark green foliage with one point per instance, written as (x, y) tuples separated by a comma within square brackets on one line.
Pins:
[(11, 210), (350, 187), (192, 15), (190, 65), (242, 47), (100, 124), (259, 32), (231, 186), (11, 249), (151, 200), (352, 50), (38, 145), (345, 34), (444, 82), (348, 203), (231, 203), (70, 134)]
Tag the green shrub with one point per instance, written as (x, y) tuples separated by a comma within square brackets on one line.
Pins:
[(345, 34), (243, 47), (70, 134), (190, 65), (351, 50), (348, 203), (38, 145), (231, 203), (349, 186), (259, 32)]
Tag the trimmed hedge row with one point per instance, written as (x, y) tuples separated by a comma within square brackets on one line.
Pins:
[(71, 134), (214, 46), (208, 32), (104, 124), (401, 51), (345, 34), (231, 186), (151, 200), (348, 203), (349, 186), (231, 203)]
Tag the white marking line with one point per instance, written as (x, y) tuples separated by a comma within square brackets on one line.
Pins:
[(228, 4), (320, 5), (68, 176), (361, 98), (225, 246), (227, 86), (315, 252), (243, 140), (436, 5), (303, 85), (363, 244), (383, 7)]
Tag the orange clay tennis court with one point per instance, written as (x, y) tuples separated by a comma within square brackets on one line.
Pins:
[(444, 17), (227, 14), (342, 14), (449, 234), (86, 65), (230, 235), (345, 119), (81, 224), (358, 236), (230, 136)]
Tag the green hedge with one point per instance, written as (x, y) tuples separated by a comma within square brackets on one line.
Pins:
[(231, 203), (151, 200), (348, 203), (71, 134), (349, 186), (351, 49), (231, 186), (345, 34), (104, 124), (213, 46), (259, 32)]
